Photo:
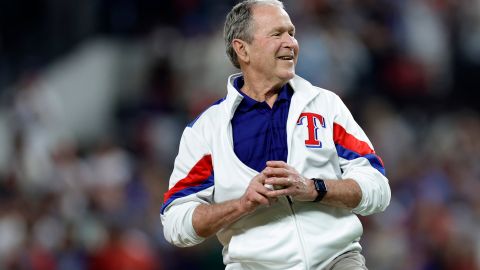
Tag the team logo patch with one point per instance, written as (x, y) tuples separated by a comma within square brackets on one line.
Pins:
[(314, 122)]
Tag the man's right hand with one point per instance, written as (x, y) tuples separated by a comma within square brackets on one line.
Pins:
[(256, 194), (208, 219)]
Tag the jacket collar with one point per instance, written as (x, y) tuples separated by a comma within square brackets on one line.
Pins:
[(304, 92)]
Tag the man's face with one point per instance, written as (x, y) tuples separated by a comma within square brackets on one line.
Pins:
[(273, 50)]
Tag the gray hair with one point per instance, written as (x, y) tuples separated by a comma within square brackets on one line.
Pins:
[(238, 24)]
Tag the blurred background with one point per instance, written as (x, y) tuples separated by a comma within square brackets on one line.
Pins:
[(94, 96)]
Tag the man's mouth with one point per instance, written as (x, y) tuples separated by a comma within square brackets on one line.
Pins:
[(286, 57)]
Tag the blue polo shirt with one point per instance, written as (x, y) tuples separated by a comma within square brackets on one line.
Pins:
[(260, 132)]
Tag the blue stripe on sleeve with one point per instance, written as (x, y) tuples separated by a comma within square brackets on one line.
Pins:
[(350, 155), (188, 191)]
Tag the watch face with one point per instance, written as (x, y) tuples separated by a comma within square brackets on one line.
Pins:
[(320, 185), (321, 189)]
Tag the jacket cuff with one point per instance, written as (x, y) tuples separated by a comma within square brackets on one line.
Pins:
[(375, 192), (178, 225)]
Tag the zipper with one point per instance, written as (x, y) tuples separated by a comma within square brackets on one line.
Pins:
[(297, 103), (299, 234)]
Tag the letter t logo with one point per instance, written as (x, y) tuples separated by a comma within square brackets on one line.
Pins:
[(314, 122)]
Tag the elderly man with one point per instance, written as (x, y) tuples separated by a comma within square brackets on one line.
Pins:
[(278, 169)]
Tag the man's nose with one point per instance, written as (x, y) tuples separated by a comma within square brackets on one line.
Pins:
[(289, 41)]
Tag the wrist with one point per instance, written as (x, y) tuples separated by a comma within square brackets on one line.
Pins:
[(242, 206)]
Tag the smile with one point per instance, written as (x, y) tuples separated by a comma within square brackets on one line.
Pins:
[(287, 57)]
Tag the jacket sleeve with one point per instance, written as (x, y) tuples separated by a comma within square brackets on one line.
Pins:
[(359, 162), (191, 183)]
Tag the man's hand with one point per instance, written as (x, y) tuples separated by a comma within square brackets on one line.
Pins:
[(294, 184), (256, 194), (344, 193), (208, 219)]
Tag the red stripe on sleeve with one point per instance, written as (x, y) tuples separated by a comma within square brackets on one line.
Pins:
[(347, 140), (199, 173)]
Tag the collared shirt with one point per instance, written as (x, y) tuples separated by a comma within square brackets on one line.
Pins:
[(259, 132)]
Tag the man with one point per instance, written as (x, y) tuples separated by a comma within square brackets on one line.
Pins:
[(278, 168)]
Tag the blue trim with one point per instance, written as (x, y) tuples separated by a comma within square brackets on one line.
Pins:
[(350, 155), (314, 146), (300, 121), (196, 118), (189, 191)]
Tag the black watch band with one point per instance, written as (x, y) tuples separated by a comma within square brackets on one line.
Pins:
[(320, 187)]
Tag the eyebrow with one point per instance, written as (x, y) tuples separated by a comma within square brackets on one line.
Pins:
[(283, 28)]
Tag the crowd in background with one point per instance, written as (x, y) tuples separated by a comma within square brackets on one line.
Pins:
[(408, 70)]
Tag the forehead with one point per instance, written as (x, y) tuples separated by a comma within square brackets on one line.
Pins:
[(266, 16)]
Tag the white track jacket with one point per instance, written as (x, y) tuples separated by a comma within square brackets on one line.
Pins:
[(324, 141)]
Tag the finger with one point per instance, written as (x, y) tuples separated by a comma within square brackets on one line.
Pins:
[(259, 188), (260, 178), (278, 181), (260, 199), (277, 164), (255, 192), (272, 171), (279, 192)]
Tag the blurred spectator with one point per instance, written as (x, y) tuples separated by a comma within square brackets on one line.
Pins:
[(333, 56), (36, 122), (125, 250)]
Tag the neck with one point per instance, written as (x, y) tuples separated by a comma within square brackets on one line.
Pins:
[(261, 89)]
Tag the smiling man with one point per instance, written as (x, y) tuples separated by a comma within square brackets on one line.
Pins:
[(278, 169)]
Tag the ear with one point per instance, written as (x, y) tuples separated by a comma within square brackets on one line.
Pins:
[(242, 50)]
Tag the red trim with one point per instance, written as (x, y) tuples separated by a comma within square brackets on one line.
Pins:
[(347, 140), (198, 174)]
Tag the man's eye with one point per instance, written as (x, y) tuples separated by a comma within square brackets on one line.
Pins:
[(276, 34)]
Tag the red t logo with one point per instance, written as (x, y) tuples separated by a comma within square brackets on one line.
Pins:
[(314, 122)]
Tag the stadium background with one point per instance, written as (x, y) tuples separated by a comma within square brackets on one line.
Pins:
[(94, 95)]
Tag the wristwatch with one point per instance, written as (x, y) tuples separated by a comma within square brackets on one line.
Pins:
[(320, 187)]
